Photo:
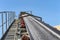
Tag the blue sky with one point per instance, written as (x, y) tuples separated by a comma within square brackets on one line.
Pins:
[(49, 10)]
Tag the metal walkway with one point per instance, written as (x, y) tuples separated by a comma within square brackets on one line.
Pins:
[(11, 35)]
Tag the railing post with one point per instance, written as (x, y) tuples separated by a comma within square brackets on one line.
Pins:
[(2, 25), (6, 20)]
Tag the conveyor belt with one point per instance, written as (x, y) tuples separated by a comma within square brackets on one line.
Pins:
[(37, 31)]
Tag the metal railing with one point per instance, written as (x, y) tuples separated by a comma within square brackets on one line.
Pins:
[(6, 18)]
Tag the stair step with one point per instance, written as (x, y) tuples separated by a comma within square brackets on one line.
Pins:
[(9, 37), (11, 33)]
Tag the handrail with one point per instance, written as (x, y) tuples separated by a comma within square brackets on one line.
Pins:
[(8, 17)]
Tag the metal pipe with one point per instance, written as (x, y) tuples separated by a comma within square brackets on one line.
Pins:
[(2, 25), (6, 20)]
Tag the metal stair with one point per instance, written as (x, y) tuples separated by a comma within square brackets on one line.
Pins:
[(11, 35)]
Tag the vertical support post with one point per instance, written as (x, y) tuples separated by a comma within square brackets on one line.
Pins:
[(31, 12), (2, 25), (10, 15), (14, 15), (6, 20)]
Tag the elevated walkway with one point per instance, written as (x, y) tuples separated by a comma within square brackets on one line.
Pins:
[(11, 32)]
